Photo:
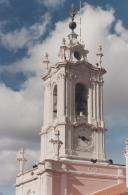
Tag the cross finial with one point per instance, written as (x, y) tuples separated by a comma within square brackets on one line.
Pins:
[(99, 55), (22, 160)]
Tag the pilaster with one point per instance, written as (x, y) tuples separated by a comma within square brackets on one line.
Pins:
[(47, 177), (64, 186), (90, 106)]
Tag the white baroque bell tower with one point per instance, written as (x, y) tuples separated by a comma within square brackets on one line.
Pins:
[(73, 104)]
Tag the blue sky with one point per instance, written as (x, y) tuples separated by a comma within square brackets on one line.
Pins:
[(27, 30)]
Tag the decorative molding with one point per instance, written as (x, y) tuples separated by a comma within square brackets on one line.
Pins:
[(82, 123)]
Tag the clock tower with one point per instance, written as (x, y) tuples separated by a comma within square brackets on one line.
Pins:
[(73, 104), (73, 159)]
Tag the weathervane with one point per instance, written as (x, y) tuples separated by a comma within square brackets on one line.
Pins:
[(57, 144), (73, 13), (22, 160)]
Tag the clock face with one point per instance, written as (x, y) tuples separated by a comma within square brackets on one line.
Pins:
[(83, 139)]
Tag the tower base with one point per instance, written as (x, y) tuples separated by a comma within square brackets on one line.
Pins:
[(69, 177)]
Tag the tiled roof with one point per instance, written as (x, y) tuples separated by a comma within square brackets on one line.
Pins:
[(119, 189)]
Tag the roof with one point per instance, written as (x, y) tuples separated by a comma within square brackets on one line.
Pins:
[(119, 189)]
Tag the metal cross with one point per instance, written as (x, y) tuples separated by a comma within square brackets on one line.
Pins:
[(57, 144)]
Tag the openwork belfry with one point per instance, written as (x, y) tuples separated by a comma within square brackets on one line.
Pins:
[(81, 97), (73, 156)]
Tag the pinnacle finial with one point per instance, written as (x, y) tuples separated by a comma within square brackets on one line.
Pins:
[(63, 41), (99, 55), (22, 160), (46, 60)]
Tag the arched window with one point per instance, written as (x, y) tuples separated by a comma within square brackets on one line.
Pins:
[(81, 100), (55, 102)]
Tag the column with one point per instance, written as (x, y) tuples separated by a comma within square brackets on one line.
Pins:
[(101, 103), (47, 184), (50, 104), (97, 102), (46, 104), (61, 97), (71, 96), (73, 106), (92, 99), (94, 102), (97, 143), (64, 184), (67, 97), (49, 111), (43, 146), (90, 105), (40, 184), (104, 144), (95, 156), (101, 144)]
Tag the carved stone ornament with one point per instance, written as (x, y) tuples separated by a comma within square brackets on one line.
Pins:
[(61, 75), (48, 85), (83, 140)]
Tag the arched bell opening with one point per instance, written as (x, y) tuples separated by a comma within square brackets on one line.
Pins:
[(81, 99), (55, 102)]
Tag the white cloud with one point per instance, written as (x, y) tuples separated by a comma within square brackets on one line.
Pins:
[(120, 29), (52, 3), (21, 112), (25, 36)]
